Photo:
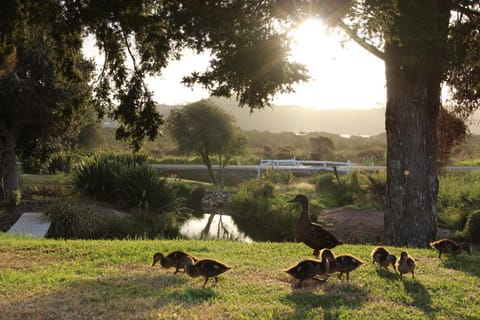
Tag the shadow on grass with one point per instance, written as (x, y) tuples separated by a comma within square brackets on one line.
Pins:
[(330, 299), (421, 297), (109, 297), (387, 274), (469, 264)]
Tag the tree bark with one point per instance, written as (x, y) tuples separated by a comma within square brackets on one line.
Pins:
[(414, 70), (10, 170)]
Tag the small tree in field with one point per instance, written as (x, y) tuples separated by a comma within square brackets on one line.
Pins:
[(202, 128)]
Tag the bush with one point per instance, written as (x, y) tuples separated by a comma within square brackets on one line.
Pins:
[(458, 196), (142, 187), (472, 226), (71, 221), (338, 193), (260, 214), (95, 176), (15, 197), (277, 176)]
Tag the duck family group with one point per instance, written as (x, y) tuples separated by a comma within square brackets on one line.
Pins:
[(321, 241)]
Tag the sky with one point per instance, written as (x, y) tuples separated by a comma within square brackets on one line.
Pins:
[(343, 76)]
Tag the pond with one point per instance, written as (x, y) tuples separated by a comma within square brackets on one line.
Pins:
[(213, 226)]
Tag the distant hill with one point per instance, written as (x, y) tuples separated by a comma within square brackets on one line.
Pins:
[(359, 122), (299, 119)]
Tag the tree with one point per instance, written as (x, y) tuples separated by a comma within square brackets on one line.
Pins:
[(42, 92), (423, 45), (204, 129), (322, 147)]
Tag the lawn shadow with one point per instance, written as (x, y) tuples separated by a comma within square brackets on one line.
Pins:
[(420, 295), (387, 274), (329, 299), (469, 264), (116, 296)]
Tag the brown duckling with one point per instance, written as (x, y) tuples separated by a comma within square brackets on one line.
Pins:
[(450, 246), (312, 234), (384, 258), (406, 264), (171, 260), (344, 263), (206, 268), (308, 269)]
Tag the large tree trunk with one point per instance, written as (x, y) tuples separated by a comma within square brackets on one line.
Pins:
[(414, 63), (9, 162)]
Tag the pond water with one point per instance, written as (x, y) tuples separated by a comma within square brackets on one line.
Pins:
[(213, 226)]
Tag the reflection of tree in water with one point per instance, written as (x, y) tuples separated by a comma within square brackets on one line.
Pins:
[(222, 232), (262, 228)]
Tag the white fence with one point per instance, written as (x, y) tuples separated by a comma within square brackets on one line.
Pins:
[(304, 165)]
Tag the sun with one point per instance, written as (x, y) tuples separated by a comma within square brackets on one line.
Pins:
[(342, 74)]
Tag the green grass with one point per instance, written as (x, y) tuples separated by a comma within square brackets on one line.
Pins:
[(55, 279)]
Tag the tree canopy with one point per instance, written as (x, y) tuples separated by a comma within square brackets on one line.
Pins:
[(204, 129)]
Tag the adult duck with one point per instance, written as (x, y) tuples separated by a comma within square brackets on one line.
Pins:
[(312, 234), (171, 260)]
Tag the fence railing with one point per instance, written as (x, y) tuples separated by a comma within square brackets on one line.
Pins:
[(306, 165)]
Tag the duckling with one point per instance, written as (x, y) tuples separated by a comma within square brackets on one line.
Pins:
[(344, 263), (406, 264), (312, 234), (206, 268), (384, 258), (171, 260), (450, 246), (308, 269)]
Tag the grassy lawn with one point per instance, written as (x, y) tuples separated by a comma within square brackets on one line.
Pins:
[(52, 279)]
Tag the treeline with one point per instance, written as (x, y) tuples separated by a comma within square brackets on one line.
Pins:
[(311, 145), (283, 145)]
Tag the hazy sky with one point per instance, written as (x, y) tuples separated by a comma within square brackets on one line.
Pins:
[(341, 77)]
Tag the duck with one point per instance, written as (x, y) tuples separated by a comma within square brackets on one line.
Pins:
[(344, 263), (406, 264), (450, 246), (308, 269), (383, 257), (171, 260), (312, 234), (206, 268)]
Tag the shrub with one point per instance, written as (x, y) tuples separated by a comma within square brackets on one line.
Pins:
[(277, 176), (192, 196), (142, 187), (15, 197), (338, 193), (260, 214), (472, 226), (458, 196), (95, 176), (71, 221)]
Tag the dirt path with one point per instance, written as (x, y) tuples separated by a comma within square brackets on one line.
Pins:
[(355, 226)]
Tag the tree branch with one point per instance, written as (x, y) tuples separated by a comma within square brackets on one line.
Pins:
[(466, 11), (355, 37)]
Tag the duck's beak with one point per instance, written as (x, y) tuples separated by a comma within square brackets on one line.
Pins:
[(293, 200)]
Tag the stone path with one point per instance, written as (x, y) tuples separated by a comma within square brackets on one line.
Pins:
[(35, 224)]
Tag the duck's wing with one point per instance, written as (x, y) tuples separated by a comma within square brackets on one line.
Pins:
[(210, 267), (318, 233)]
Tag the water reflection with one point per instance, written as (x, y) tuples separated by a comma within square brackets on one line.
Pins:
[(213, 226)]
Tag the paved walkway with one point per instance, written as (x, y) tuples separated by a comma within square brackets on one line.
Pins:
[(35, 224)]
